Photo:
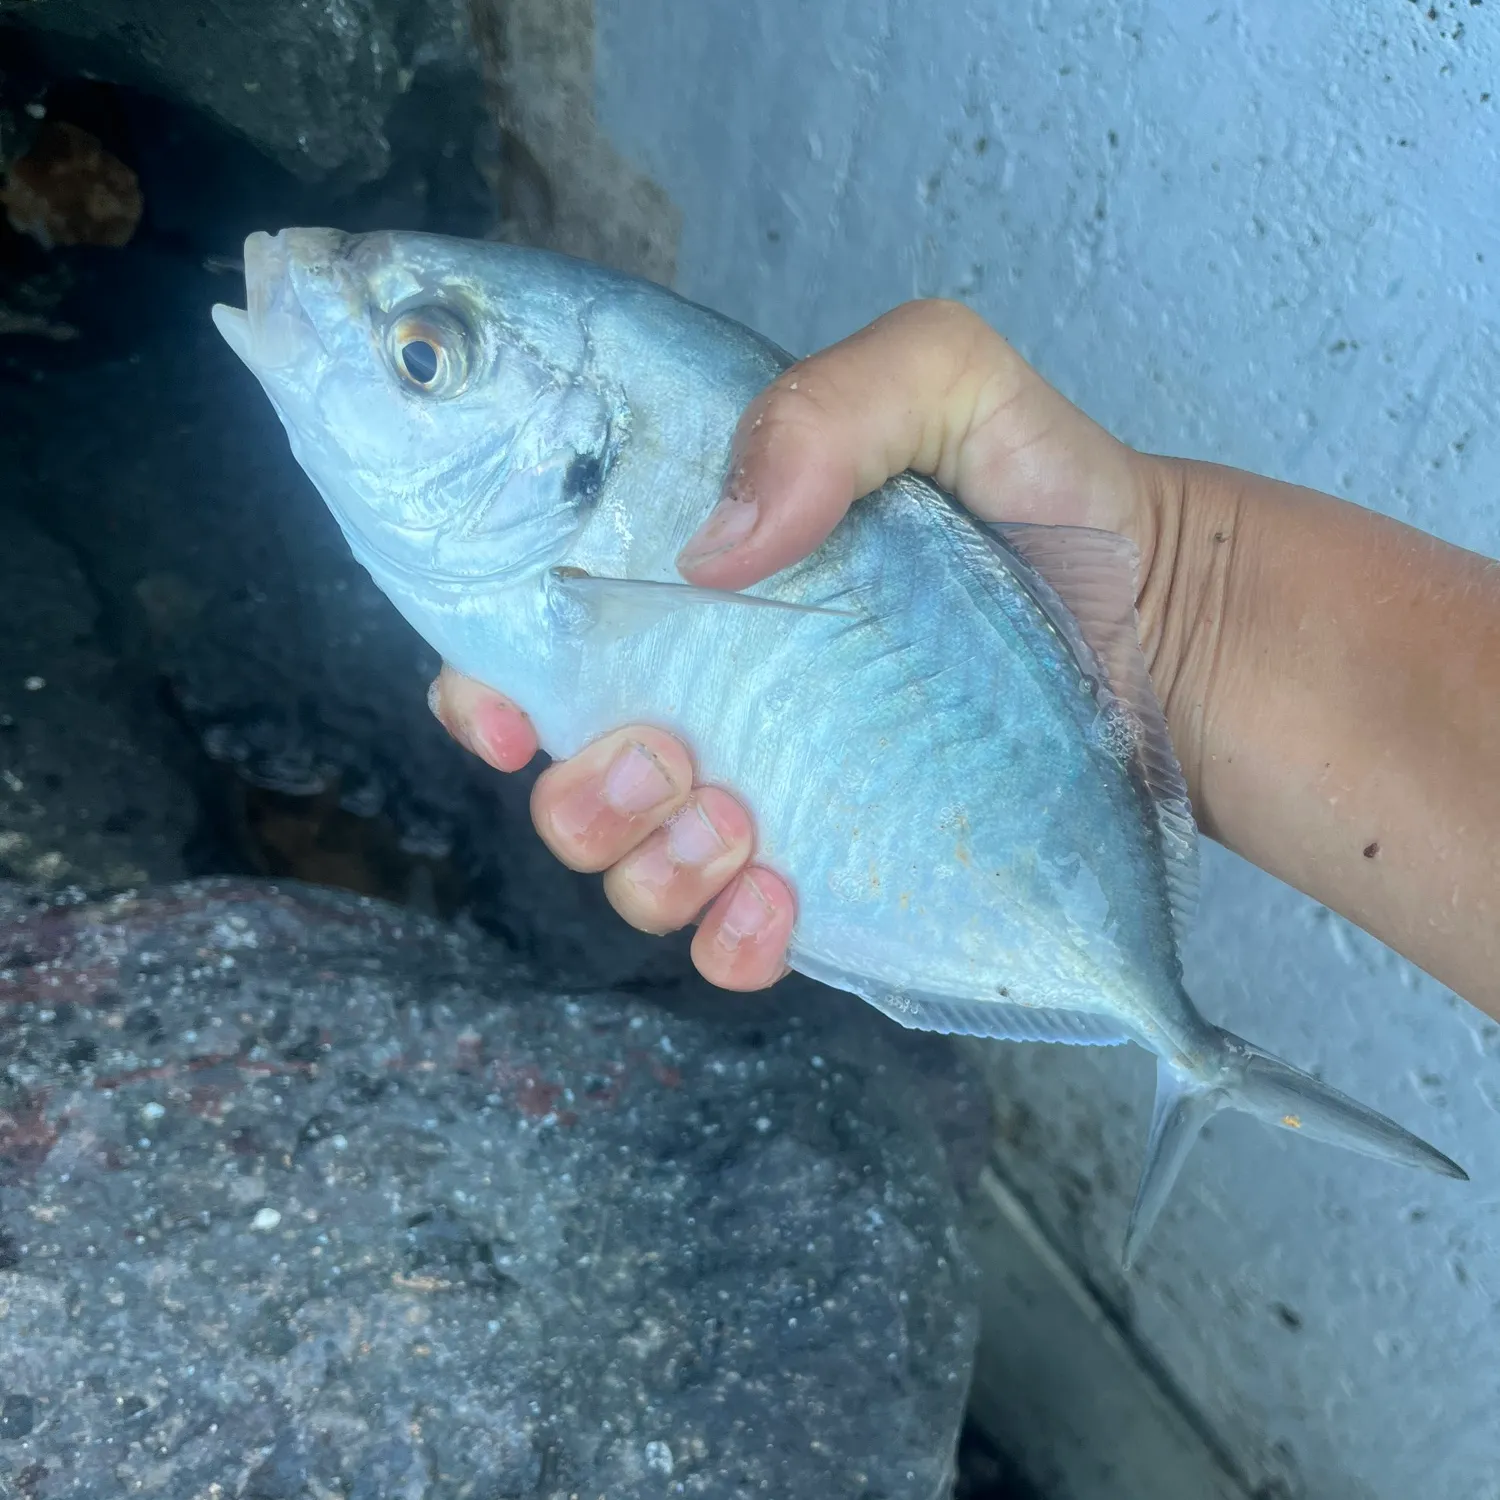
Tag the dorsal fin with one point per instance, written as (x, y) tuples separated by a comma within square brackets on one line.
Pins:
[(1094, 575)]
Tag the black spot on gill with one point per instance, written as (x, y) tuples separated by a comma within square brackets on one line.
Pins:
[(584, 481)]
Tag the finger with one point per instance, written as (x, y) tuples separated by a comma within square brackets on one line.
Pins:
[(592, 810), (929, 387), (662, 884), (482, 720), (742, 941)]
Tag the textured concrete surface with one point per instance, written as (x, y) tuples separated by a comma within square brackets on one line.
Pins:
[(1267, 235), (307, 1196)]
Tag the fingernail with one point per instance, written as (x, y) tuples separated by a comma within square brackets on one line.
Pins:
[(747, 915), (636, 782), (729, 523), (433, 690), (692, 838), (483, 734)]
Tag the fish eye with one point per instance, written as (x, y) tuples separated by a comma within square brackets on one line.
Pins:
[(429, 350), (420, 360)]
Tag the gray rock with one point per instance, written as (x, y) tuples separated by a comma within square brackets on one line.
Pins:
[(306, 1196), (334, 89), (312, 84), (89, 792)]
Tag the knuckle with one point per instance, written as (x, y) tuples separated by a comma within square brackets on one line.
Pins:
[(799, 400), (955, 317), (569, 852), (786, 411), (938, 318), (647, 911)]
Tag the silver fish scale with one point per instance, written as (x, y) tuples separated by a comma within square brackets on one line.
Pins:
[(926, 776)]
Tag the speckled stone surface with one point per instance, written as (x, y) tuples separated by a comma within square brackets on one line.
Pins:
[(303, 1196)]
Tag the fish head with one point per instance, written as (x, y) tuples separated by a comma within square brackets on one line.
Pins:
[(438, 395)]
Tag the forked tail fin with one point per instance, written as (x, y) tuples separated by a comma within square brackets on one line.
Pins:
[(1243, 1077)]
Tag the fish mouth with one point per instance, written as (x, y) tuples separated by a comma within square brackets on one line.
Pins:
[(273, 330)]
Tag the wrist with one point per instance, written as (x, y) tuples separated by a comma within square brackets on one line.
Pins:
[(1331, 680)]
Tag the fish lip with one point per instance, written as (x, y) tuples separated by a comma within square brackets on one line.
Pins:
[(233, 324), (267, 263), (275, 330)]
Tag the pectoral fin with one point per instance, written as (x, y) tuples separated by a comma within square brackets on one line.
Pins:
[(622, 606)]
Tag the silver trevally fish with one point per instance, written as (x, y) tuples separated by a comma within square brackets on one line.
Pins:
[(944, 730)]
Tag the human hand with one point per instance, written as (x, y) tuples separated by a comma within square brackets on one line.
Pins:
[(928, 387), (628, 805)]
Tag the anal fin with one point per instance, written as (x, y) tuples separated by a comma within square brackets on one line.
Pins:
[(998, 1020), (1002, 1020)]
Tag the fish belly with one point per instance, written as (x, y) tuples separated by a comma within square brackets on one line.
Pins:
[(923, 775)]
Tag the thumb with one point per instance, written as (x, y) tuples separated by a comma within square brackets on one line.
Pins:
[(833, 428), (929, 387)]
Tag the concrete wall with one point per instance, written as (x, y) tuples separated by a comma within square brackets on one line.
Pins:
[(1266, 233)]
